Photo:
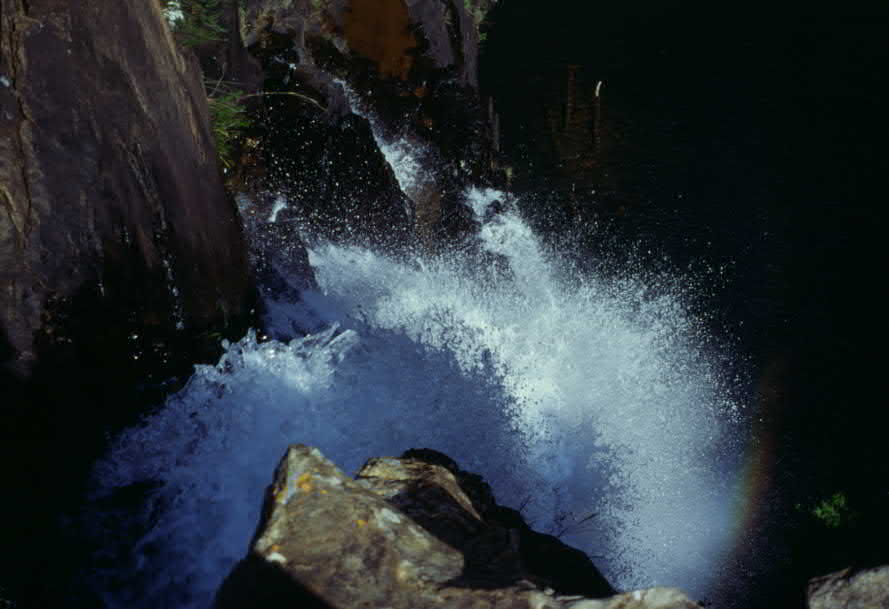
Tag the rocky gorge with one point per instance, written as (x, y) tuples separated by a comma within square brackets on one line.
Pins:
[(428, 534), (124, 259), (130, 249)]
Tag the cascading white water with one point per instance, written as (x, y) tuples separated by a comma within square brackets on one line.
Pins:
[(572, 395), (402, 156)]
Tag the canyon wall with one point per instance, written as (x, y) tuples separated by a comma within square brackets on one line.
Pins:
[(122, 258)]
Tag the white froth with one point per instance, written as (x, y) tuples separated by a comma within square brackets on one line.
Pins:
[(589, 396)]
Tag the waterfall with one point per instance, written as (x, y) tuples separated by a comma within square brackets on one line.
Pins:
[(599, 405), (403, 155)]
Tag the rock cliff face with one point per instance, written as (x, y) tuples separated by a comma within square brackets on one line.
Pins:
[(412, 532), (119, 248), (110, 187)]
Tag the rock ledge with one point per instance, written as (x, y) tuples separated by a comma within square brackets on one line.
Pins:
[(410, 532)]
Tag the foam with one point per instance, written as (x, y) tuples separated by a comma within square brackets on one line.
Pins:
[(572, 395)]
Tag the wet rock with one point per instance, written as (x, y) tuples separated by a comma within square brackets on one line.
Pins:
[(324, 161), (850, 589), (109, 175), (281, 262), (412, 69), (412, 532), (122, 260), (314, 151), (359, 198)]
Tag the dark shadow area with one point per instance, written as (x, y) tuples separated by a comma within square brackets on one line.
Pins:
[(255, 582), (12, 392), (754, 145), (501, 549), (100, 365)]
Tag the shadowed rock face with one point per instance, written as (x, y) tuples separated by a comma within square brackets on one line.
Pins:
[(108, 173), (118, 245), (413, 532)]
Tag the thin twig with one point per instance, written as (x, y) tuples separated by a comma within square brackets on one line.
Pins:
[(216, 87), (290, 93), (590, 517)]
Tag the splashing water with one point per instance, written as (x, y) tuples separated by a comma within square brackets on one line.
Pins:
[(401, 155), (586, 395)]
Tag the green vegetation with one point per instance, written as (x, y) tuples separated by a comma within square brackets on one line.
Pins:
[(199, 23), (228, 117), (834, 512), (195, 22), (478, 10), (474, 8)]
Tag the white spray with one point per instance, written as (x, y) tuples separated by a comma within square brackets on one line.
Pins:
[(590, 397)]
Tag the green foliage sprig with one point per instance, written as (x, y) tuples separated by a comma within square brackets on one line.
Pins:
[(200, 22), (195, 22), (476, 10), (834, 512), (228, 117)]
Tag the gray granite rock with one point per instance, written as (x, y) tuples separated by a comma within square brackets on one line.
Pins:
[(404, 535), (850, 589)]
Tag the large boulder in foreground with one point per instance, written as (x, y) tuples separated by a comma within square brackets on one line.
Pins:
[(850, 589), (408, 533)]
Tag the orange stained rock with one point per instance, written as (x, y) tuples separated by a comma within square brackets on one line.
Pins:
[(304, 482), (281, 495), (380, 31)]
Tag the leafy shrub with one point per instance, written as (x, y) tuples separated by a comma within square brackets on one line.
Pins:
[(834, 512)]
